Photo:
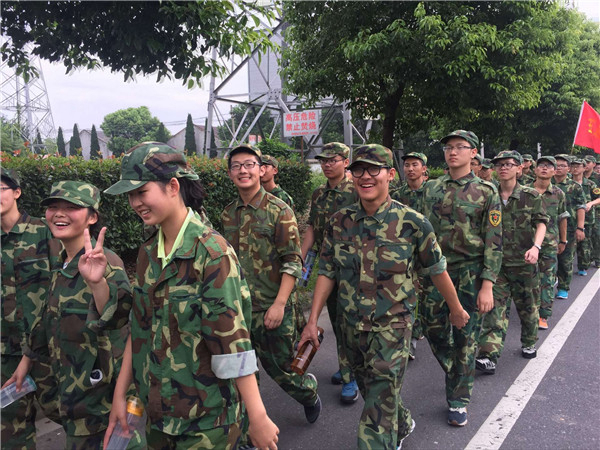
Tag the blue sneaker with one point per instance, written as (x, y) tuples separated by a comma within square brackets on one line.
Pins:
[(349, 392), (336, 378), (457, 417), (562, 294), (582, 273)]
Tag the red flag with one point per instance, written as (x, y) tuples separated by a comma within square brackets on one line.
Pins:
[(588, 128)]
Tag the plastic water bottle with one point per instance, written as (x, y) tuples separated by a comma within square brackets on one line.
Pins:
[(9, 394), (120, 438), (308, 265), (305, 354)]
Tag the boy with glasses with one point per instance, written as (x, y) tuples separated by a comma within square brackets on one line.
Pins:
[(371, 250), (327, 199), (466, 217), (523, 229), (263, 231), (575, 223)]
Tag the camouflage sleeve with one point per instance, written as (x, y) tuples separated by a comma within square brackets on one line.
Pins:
[(539, 214), (116, 311), (563, 213), (313, 210), (223, 327), (430, 258), (492, 232), (578, 197), (36, 345), (287, 243), (326, 266)]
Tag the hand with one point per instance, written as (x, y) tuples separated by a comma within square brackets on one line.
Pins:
[(264, 433), (20, 373), (531, 256), (118, 413), (274, 316), (310, 333), (92, 264), (579, 235), (459, 319), (485, 300), (561, 248)]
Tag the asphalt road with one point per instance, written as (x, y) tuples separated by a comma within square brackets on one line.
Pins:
[(562, 412)]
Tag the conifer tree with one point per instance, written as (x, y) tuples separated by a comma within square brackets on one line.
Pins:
[(75, 142), (190, 139), (60, 143), (161, 134), (95, 145)]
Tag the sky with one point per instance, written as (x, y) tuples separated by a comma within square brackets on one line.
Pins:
[(85, 97)]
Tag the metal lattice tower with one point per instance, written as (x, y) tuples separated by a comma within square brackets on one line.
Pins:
[(26, 104)]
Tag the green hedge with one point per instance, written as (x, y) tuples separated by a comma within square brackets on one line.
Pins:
[(124, 228)]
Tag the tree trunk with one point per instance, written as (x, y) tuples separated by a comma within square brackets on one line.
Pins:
[(389, 116)]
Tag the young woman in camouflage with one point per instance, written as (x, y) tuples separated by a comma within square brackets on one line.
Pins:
[(189, 352), (87, 309)]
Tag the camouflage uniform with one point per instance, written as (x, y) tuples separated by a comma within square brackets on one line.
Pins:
[(324, 202), (554, 202), (517, 280), (265, 235), (190, 339), (575, 200), (373, 260), (584, 248), (26, 254), (283, 195), (465, 214)]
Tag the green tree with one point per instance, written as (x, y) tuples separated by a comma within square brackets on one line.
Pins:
[(75, 142), (10, 137), (94, 145), (60, 143), (411, 63), (129, 127), (162, 134), (171, 39), (190, 137)]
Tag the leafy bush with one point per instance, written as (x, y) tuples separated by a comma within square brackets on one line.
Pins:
[(125, 230)]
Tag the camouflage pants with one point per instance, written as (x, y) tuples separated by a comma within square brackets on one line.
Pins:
[(275, 349), (226, 437), (521, 284), (453, 348), (584, 252), (547, 265), (378, 361), (18, 419), (336, 319), (565, 264)]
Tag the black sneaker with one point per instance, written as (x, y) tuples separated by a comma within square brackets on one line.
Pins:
[(529, 352), (412, 428), (485, 365), (312, 412)]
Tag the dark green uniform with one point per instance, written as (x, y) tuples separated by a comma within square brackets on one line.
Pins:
[(584, 248), (283, 195)]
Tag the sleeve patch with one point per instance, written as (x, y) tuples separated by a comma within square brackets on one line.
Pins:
[(495, 217)]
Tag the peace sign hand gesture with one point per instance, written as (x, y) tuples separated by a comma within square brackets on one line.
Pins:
[(92, 264)]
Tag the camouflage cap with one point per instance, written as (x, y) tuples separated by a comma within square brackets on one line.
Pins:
[(247, 148), (11, 177), (150, 161), (487, 163), (590, 158), (270, 161), (505, 154), (577, 160), (333, 149), (564, 157), (550, 159), (76, 192), (374, 154), (527, 157), (417, 155), (468, 136), (478, 158)]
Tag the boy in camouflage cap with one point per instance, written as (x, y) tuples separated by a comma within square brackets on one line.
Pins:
[(523, 229), (465, 214), (476, 164), (264, 233), (271, 165), (371, 250), (590, 166), (486, 169), (328, 198), (527, 175), (27, 251)]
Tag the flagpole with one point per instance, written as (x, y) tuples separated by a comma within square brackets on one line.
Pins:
[(577, 127)]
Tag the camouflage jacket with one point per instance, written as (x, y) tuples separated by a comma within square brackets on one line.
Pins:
[(520, 216), (189, 336), (575, 200), (283, 195), (373, 259), (324, 202), (265, 237), (78, 339), (555, 205), (526, 178), (591, 192), (467, 220), (414, 199), (26, 252)]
